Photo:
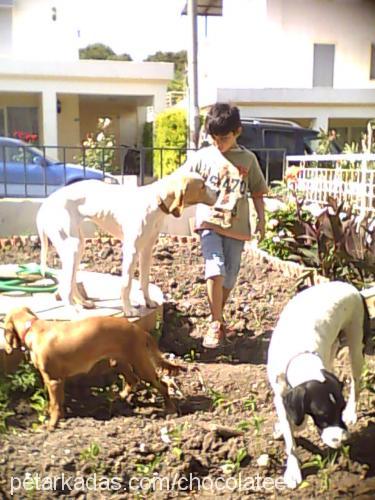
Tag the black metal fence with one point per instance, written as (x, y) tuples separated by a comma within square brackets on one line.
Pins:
[(35, 171)]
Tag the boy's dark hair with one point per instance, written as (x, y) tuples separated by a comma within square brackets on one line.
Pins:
[(222, 118)]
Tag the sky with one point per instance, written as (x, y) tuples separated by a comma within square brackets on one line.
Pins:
[(136, 27)]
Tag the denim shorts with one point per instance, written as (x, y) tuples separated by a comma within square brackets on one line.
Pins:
[(222, 256)]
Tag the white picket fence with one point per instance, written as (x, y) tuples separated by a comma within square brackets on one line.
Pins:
[(349, 178)]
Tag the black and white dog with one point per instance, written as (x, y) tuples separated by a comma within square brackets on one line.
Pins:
[(302, 349)]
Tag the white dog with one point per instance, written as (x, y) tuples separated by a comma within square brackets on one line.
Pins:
[(134, 215), (302, 349)]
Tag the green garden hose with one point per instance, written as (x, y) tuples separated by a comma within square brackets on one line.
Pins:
[(23, 280)]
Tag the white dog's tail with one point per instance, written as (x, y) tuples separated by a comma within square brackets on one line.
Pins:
[(43, 244)]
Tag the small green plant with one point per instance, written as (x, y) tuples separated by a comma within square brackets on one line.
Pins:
[(91, 456), (5, 412), (250, 404), (26, 378), (149, 468), (90, 453), (345, 451), (218, 399), (257, 423), (109, 393), (39, 403), (368, 379), (324, 466), (244, 425), (176, 438), (191, 356), (158, 328), (233, 466)]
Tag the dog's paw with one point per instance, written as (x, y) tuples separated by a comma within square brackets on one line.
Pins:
[(151, 304), (51, 425), (131, 312), (86, 304), (277, 432), (292, 475), (349, 416)]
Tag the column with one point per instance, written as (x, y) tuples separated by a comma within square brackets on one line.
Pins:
[(320, 121), (50, 136)]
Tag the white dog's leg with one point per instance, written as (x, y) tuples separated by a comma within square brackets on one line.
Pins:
[(277, 431), (354, 333), (356, 359), (77, 296), (144, 274), (292, 475), (333, 354), (128, 268)]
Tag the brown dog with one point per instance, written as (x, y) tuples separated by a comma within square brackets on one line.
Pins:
[(61, 349)]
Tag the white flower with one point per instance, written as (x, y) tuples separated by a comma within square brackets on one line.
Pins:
[(106, 122), (272, 223)]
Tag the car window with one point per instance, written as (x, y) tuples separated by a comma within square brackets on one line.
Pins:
[(18, 154), (248, 136), (281, 139)]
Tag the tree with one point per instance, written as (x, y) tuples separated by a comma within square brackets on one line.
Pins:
[(101, 51), (180, 62)]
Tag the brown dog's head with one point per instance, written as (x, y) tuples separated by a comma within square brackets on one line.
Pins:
[(189, 190), (15, 324)]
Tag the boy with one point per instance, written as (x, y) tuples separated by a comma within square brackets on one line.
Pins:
[(222, 241)]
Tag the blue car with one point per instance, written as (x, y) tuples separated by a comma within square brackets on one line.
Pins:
[(26, 172)]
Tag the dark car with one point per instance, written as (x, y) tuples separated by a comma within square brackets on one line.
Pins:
[(272, 140), (26, 172)]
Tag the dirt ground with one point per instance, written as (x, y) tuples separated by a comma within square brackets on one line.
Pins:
[(221, 441)]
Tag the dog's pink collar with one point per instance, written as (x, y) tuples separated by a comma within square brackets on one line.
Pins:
[(27, 329)]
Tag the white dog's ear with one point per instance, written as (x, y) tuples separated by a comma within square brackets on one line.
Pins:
[(294, 402), (178, 202)]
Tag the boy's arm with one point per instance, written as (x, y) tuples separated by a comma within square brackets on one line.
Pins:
[(259, 208), (258, 189)]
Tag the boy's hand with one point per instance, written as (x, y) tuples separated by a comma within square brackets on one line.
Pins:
[(260, 229)]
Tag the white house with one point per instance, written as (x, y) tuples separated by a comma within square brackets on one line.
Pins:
[(46, 89), (312, 61)]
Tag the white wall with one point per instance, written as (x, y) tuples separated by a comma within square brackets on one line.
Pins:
[(36, 36), (5, 30), (269, 44), (347, 24)]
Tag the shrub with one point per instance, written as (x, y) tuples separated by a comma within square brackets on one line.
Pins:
[(170, 132), (335, 242), (99, 148)]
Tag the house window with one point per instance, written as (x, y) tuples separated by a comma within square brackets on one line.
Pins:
[(324, 59), (372, 62), (22, 119)]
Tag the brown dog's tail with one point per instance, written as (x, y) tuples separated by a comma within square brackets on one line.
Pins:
[(159, 361)]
